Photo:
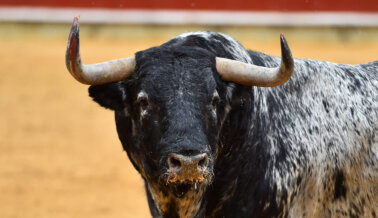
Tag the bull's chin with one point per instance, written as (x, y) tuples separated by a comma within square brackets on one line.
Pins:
[(178, 197)]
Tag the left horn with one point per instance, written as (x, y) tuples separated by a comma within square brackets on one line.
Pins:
[(252, 75), (94, 74)]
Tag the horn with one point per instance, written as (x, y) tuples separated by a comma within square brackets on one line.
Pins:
[(252, 75), (94, 74)]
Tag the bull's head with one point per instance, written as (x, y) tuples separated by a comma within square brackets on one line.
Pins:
[(170, 104)]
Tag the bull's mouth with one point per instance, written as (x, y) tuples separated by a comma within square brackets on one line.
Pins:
[(180, 189), (180, 185)]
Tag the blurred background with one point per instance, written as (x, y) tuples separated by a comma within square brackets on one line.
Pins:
[(59, 151)]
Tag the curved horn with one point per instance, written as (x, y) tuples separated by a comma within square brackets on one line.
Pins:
[(252, 75), (94, 74)]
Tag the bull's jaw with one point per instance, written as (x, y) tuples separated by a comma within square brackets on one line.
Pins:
[(185, 199)]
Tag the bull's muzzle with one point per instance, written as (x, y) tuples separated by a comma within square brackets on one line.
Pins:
[(187, 168)]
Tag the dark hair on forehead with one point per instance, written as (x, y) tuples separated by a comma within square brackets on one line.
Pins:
[(176, 59), (167, 53)]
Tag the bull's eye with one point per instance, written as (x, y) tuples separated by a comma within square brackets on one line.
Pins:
[(143, 104), (215, 100), (214, 104), (142, 101)]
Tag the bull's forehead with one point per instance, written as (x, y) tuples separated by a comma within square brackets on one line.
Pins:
[(167, 74)]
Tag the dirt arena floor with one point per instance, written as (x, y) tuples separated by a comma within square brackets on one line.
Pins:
[(59, 151)]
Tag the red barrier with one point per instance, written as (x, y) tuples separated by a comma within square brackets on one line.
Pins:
[(227, 5)]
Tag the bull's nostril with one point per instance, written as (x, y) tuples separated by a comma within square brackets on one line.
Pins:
[(174, 163), (203, 161)]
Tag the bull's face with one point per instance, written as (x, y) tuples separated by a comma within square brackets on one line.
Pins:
[(169, 116), (170, 104)]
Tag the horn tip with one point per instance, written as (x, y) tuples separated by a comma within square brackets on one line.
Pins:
[(75, 24), (283, 39), (287, 57), (284, 45), (76, 20), (73, 37), (73, 45)]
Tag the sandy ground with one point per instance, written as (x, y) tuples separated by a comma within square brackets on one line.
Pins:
[(59, 151)]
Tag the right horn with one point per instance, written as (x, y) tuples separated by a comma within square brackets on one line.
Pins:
[(94, 74), (252, 75)]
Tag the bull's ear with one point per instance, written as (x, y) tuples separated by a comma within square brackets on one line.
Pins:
[(111, 95)]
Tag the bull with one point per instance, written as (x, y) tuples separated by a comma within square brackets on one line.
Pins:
[(216, 130)]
